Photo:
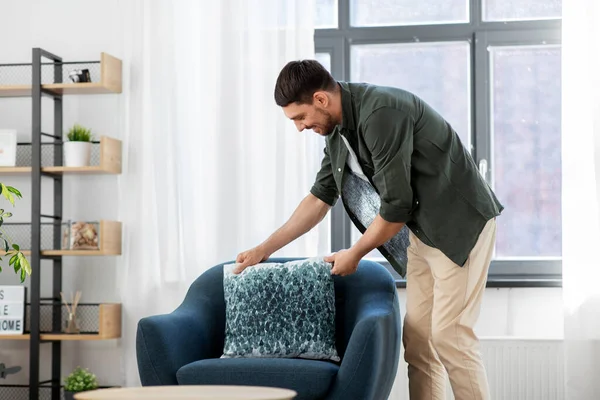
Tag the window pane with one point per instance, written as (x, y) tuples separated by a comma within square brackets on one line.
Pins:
[(324, 59), (407, 12), (526, 140), (437, 72), (326, 14), (375, 254), (507, 10)]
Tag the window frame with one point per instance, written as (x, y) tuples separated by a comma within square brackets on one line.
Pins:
[(536, 272)]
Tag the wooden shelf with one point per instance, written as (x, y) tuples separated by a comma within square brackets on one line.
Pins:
[(57, 336), (109, 327), (110, 236), (14, 337), (66, 253), (110, 162), (110, 82), (90, 170), (78, 253), (15, 91), (15, 170)]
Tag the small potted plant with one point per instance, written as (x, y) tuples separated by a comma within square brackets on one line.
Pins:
[(78, 149), (80, 380)]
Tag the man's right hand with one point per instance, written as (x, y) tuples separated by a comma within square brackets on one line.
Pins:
[(249, 258)]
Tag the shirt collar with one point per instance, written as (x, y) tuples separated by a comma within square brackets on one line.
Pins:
[(347, 107)]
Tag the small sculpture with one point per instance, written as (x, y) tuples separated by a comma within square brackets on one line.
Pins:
[(80, 75), (7, 371)]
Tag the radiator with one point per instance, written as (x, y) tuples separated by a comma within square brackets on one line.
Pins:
[(517, 369)]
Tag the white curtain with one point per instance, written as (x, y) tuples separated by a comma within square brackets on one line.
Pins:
[(581, 197), (211, 166)]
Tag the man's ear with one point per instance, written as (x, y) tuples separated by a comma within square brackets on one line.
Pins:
[(321, 98)]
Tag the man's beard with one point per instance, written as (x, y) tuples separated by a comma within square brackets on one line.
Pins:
[(329, 125)]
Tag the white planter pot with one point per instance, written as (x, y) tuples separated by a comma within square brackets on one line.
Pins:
[(77, 154)]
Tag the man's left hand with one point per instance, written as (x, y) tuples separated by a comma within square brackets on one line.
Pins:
[(345, 262)]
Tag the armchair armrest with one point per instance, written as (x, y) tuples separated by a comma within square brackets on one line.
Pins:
[(369, 366), (167, 342)]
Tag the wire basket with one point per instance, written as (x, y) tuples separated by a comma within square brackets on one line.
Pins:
[(88, 317), (20, 232), (74, 235), (48, 151), (21, 74), (21, 392)]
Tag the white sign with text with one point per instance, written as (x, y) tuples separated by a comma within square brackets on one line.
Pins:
[(12, 310)]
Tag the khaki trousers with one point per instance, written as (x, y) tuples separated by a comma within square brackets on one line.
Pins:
[(443, 302)]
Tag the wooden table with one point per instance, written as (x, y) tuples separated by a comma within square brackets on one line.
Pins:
[(188, 392)]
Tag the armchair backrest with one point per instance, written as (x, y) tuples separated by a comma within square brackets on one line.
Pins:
[(370, 290)]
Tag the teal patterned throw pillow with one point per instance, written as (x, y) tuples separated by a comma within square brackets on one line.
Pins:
[(280, 310)]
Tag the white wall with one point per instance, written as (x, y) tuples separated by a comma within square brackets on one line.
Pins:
[(80, 30), (530, 313), (522, 313)]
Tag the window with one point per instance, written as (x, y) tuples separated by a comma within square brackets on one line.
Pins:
[(492, 69), (510, 10), (437, 71), (326, 14), (408, 12), (324, 59), (525, 140)]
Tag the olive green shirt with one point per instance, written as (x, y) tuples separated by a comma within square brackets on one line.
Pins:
[(417, 164)]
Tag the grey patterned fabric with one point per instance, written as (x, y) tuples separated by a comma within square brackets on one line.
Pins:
[(362, 204), (280, 310)]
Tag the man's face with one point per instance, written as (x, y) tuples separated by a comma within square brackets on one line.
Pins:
[(313, 116)]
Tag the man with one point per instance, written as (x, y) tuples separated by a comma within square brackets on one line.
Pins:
[(425, 180)]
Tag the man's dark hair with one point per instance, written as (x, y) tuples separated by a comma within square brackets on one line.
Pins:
[(299, 80)]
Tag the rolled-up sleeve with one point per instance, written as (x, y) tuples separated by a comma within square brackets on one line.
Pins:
[(324, 187), (388, 134)]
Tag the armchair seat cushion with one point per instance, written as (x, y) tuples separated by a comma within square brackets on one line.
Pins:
[(312, 379)]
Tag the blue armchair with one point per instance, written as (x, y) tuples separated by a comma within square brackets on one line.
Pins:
[(185, 346)]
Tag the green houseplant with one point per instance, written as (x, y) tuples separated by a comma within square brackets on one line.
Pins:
[(78, 148), (17, 259), (80, 380)]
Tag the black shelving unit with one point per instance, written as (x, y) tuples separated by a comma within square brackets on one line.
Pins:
[(36, 220), (50, 387), (47, 78)]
